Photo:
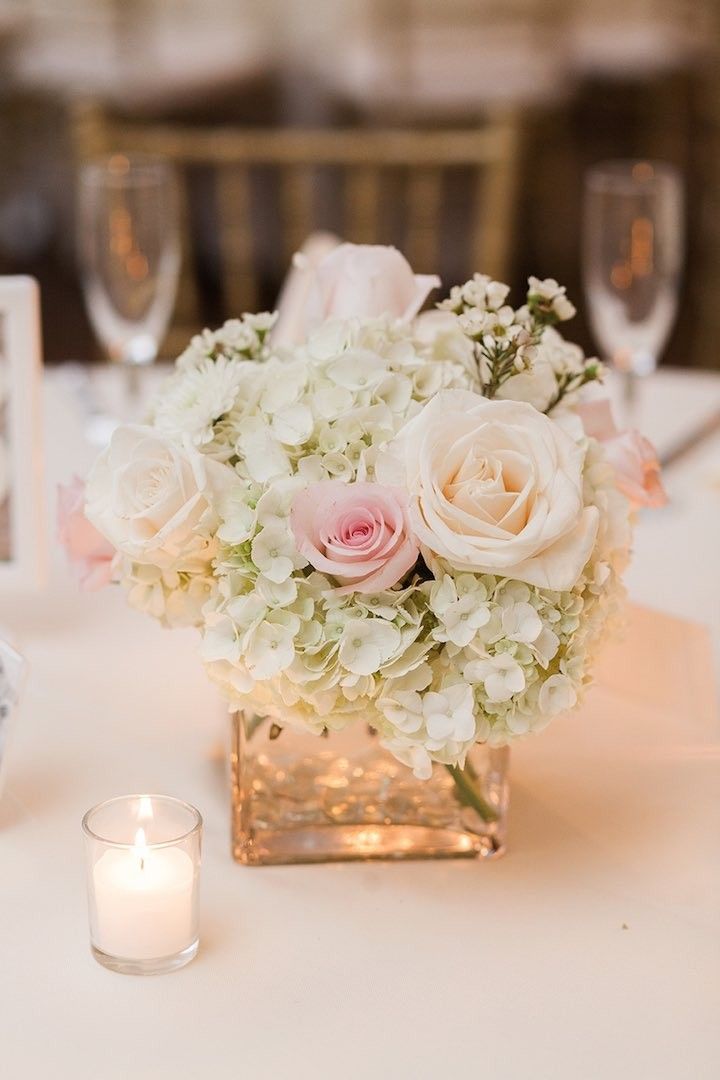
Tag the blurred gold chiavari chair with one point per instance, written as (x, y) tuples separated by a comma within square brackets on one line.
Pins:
[(363, 158)]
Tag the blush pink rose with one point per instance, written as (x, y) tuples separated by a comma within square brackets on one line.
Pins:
[(637, 469), (358, 533), (86, 547), (357, 281), (597, 418), (632, 456)]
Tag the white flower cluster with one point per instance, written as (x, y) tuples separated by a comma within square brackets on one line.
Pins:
[(446, 655), (549, 297), (525, 653), (518, 352)]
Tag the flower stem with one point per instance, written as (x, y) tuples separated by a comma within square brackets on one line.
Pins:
[(468, 790)]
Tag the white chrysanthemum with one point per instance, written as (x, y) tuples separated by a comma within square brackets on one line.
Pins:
[(197, 399)]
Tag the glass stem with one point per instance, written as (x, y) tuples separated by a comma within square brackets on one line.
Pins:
[(132, 385), (468, 790), (630, 394)]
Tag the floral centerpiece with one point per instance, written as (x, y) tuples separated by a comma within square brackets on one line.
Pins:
[(413, 525)]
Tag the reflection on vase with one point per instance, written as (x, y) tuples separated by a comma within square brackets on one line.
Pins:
[(302, 798)]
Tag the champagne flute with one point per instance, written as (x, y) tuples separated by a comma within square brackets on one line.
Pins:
[(632, 260), (129, 249)]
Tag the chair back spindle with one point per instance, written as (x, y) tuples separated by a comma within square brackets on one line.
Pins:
[(272, 188)]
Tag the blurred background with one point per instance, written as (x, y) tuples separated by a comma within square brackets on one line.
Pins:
[(461, 130)]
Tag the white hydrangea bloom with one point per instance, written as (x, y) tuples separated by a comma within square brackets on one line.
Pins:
[(367, 644), (176, 599), (269, 649), (436, 725), (274, 553), (557, 695), (501, 676), (443, 659)]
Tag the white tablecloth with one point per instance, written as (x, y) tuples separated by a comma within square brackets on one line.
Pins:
[(592, 951)]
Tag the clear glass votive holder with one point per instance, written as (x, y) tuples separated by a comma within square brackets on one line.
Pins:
[(142, 857)]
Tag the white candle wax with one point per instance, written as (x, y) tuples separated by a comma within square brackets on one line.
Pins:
[(144, 902)]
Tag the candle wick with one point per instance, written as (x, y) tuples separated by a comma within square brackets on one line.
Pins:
[(142, 863)]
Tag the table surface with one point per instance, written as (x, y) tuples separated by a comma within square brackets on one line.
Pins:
[(591, 951)]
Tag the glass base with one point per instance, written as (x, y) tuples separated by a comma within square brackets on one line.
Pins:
[(361, 842), (158, 966), (300, 798)]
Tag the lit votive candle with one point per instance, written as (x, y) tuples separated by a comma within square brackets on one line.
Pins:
[(143, 865)]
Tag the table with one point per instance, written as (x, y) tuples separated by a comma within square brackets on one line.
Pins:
[(592, 951)]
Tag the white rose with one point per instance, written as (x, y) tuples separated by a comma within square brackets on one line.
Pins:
[(357, 281), (151, 499), (494, 487)]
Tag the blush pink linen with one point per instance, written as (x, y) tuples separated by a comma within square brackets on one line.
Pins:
[(358, 533), (632, 456), (88, 549)]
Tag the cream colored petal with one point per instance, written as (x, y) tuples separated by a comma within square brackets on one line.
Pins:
[(559, 566)]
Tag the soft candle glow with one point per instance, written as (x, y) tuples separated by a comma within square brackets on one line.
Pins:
[(144, 901), (143, 894)]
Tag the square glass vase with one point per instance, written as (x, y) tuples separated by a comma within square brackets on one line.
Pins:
[(303, 798)]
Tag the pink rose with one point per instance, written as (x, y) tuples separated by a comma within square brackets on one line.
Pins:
[(357, 281), (597, 418), (289, 328), (358, 533), (632, 456), (637, 469), (85, 546)]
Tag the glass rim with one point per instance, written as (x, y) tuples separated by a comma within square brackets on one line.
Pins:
[(130, 844), (122, 169), (630, 173)]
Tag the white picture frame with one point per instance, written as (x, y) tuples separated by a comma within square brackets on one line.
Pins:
[(22, 549), (12, 675)]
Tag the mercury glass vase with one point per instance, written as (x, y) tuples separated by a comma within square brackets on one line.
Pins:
[(301, 798)]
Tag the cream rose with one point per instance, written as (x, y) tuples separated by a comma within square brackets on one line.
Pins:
[(151, 499), (494, 487)]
